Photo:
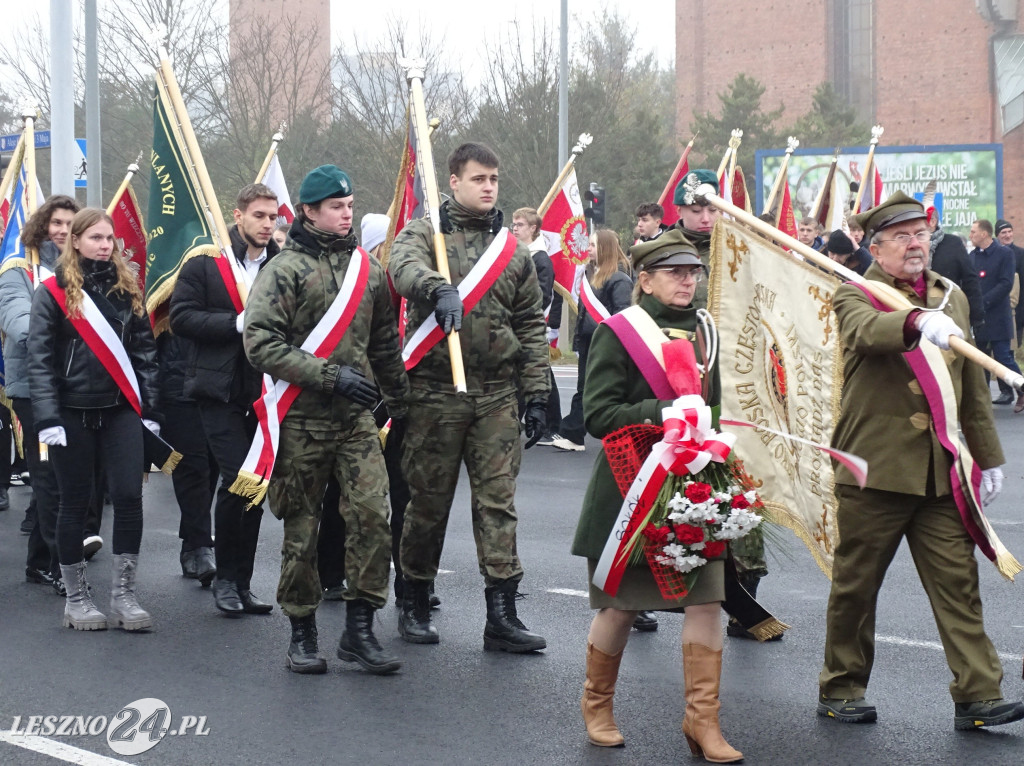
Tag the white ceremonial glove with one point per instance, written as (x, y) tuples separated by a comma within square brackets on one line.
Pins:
[(240, 321), (54, 436), (991, 484), (551, 334), (937, 327), (152, 425)]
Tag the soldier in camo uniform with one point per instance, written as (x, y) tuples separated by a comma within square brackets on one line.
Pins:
[(502, 337), (329, 429)]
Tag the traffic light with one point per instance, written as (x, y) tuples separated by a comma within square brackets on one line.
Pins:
[(595, 196)]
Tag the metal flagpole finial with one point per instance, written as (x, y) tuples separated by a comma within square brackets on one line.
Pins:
[(736, 139), (157, 39), (582, 143), (791, 144), (876, 133), (279, 136), (414, 67), (30, 111)]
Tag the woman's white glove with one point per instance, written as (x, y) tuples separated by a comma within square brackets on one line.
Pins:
[(54, 436), (240, 321), (152, 425), (937, 327), (991, 484)]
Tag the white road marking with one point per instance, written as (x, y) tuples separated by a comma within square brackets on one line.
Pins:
[(60, 750), (931, 645), (569, 592)]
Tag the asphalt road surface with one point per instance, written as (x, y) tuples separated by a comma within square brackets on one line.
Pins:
[(454, 703)]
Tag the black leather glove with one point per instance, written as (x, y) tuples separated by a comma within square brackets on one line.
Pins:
[(353, 385), (448, 308), (536, 422)]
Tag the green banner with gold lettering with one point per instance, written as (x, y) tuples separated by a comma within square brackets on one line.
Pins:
[(179, 228)]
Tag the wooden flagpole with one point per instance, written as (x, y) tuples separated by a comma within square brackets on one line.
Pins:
[(14, 168), (132, 170), (274, 141), (891, 299), (876, 133), (791, 144), (425, 156), (582, 143), (168, 87)]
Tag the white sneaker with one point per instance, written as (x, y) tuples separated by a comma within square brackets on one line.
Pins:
[(549, 440), (562, 443), (90, 545)]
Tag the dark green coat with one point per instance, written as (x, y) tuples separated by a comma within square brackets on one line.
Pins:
[(617, 395), (885, 417), (503, 336), (290, 295)]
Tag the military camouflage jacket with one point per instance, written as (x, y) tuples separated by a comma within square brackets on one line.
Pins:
[(503, 336), (290, 295)]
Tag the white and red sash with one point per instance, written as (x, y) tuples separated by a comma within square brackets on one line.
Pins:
[(278, 395), (228, 276), (101, 339), (690, 443), (591, 302), (931, 372), (478, 281)]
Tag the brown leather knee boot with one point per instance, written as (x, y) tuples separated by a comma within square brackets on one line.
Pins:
[(702, 670), (598, 691)]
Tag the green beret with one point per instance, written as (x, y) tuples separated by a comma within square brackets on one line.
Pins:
[(323, 183), (670, 249), (689, 189), (897, 209)]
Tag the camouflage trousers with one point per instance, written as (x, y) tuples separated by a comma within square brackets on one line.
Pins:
[(748, 552), (444, 431), (305, 460)]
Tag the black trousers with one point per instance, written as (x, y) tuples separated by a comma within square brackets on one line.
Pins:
[(572, 427), (195, 478), (42, 541), (115, 435), (6, 447), (229, 428)]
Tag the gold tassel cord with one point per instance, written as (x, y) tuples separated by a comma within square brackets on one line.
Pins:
[(1007, 564), (383, 436)]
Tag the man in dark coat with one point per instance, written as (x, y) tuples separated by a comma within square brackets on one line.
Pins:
[(225, 385), (950, 259), (996, 269)]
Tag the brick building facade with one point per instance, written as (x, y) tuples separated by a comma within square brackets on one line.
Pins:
[(928, 71)]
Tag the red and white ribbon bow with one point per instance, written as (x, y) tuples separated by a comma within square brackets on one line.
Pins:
[(692, 442)]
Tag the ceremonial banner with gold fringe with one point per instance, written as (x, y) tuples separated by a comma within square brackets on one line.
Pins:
[(781, 368)]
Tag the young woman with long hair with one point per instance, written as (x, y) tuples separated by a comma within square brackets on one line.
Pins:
[(88, 330)]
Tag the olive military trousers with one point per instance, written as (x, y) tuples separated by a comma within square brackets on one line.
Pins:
[(305, 460), (444, 431), (871, 525)]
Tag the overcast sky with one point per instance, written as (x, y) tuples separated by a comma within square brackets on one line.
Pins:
[(458, 19)]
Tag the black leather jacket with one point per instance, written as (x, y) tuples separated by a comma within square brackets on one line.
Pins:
[(202, 312), (63, 372)]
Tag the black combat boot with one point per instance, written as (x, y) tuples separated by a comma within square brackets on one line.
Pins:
[(302, 652), (503, 630), (414, 620), (358, 644)]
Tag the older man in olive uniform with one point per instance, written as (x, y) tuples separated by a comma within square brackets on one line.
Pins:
[(329, 428), (502, 341), (909, 492)]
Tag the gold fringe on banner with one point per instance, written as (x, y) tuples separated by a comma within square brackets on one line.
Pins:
[(171, 463), (768, 629)]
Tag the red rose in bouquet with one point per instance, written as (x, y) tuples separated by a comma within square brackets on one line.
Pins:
[(713, 549), (739, 501), (697, 492), (688, 534)]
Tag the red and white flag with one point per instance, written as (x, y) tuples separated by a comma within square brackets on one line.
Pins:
[(565, 232), (274, 178), (874, 194), (667, 198), (131, 232)]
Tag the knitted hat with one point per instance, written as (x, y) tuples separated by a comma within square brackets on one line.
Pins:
[(374, 228), (839, 243), (1001, 224)]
